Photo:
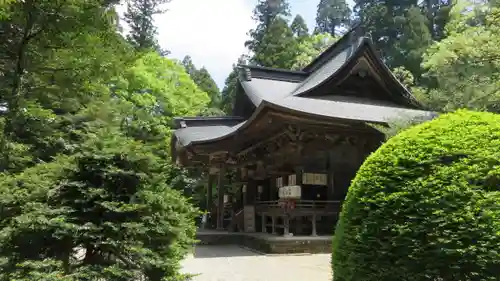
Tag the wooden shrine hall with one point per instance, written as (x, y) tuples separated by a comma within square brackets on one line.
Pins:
[(309, 129)]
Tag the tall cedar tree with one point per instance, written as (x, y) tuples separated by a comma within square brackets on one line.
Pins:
[(139, 17), (437, 13), (299, 27), (272, 40), (332, 15), (264, 14), (206, 83), (228, 94), (397, 28), (277, 48)]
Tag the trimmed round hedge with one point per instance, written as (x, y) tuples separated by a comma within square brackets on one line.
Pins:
[(425, 205)]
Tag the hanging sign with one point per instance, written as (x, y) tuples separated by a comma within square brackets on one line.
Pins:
[(290, 192)]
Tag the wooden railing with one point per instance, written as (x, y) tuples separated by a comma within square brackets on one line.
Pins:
[(301, 207)]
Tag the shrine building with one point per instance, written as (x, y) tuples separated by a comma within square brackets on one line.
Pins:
[(301, 133)]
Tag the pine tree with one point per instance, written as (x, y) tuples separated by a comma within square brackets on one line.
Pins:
[(139, 17), (331, 16), (299, 27)]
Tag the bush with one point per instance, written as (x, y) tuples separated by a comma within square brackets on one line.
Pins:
[(426, 205), (103, 214)]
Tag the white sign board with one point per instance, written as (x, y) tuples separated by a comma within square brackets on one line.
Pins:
[(290, 192), (315, 179)]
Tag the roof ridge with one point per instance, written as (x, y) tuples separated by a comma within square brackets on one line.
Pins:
[(338, 46), (248, 72), (354, 51), (266, 68)]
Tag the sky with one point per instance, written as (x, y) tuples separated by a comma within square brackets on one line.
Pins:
[(213, 32)]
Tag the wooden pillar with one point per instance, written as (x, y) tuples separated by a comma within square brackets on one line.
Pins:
[(314, 233), (209, 202), (220, 199), (251, 192), (209, 192), (299, 170), (244, 193), (330, 177), (249, 209), (273, 227), (263, 223), (286, 226), (272, 188)]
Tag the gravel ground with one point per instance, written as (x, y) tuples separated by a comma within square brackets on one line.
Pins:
[(232, 263)]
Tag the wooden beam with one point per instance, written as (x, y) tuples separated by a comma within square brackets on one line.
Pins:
[(220, 198)]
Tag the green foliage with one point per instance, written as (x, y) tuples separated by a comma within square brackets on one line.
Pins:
[(84, 143), (162, 86), (278, 46), (109, 202), (206, 83), (311, 47), (228, 93), (398, 125), (399, 29), (466, 64), (204, 80), (425, 205), (212, 112), (414, 40), (272, 41), (4, 8), (265, 12), (404, 76), (332, 15), (55, 59)]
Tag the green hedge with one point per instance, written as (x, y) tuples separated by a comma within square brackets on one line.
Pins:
[(426, 205)]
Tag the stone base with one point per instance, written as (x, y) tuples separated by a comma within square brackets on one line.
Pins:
[(267, 243)]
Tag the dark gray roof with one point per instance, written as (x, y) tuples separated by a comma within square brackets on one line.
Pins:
[(282, 89), (356, 109), (199, 121), (258, 90), (338, 107), (189, 135), (344, 42), (274, 84), (328, 69)]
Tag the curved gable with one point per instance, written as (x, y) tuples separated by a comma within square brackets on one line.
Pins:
[(358, 71)]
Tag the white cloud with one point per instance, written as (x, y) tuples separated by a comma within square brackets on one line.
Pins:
[(212, 32)]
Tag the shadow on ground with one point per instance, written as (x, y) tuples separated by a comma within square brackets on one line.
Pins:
[(206, 251)]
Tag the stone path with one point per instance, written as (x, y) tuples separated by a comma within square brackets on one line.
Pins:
[(232, 263)]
